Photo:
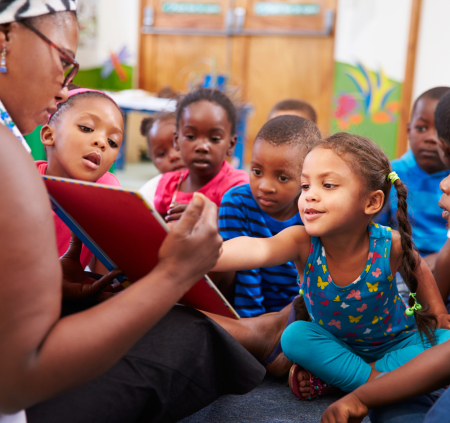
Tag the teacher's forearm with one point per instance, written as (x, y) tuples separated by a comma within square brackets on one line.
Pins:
[(84, 345)]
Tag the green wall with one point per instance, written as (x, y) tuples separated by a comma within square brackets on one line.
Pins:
[(367, 103)]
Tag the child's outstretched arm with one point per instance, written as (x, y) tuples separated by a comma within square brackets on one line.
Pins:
[(245, 253), (427, 290), (424, 373)]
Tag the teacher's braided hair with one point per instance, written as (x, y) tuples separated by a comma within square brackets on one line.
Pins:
[(372, 166)]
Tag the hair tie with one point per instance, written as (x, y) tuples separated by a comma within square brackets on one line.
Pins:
[(301, 292), (393, 177), (416, 307)]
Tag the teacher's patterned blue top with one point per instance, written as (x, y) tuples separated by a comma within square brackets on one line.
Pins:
[(367, 313)]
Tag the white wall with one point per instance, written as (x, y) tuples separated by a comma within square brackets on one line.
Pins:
[(374, 32), (117, 25), (433, 50)]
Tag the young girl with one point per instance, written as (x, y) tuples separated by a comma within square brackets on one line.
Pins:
[(159, 131), (206, 134), (359, 325), (82, 140)]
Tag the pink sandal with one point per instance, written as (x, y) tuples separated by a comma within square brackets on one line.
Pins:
[(316, 385)]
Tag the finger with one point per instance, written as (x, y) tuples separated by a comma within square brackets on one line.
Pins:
[(104, 281), (173, 217), (192, 214), (178, 209), (74, 250)]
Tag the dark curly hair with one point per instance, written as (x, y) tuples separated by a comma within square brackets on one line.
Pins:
[(288, 129), (372, 166), (295, 104), (442, 118), (212, 95)]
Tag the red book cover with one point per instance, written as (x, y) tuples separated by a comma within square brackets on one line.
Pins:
[(124, 232)]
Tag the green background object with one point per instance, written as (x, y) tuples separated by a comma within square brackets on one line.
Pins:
[(91, 78), (367, 103), (34, 141)]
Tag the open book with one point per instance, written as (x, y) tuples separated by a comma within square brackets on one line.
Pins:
[(123, 232)]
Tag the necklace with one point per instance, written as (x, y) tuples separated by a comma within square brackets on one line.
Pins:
[(6, 120)]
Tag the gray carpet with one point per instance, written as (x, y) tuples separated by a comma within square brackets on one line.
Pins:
[(270, 402)]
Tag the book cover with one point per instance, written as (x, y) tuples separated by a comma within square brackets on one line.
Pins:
[(124, 232)]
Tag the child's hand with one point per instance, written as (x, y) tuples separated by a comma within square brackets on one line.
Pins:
[(443, 321), (76, 284), (347, 409), (175, 211)]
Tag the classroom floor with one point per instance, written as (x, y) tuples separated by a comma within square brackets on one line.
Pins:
[(270, 402), (134, 175)]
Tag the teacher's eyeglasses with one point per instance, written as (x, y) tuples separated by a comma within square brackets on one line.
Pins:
[(70, 65)]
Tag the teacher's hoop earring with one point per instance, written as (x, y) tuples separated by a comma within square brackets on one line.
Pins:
[(3, 68)]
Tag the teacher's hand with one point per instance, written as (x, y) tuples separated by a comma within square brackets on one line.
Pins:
[(193, 246)]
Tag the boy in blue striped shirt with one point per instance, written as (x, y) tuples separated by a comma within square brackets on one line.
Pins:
[(265, 207)]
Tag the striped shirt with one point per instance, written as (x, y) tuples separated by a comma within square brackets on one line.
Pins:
[(428, 226), (262, 290)]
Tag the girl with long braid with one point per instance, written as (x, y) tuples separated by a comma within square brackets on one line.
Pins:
[(359, 325)]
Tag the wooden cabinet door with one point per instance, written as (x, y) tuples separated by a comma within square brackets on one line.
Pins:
[(270, 50)]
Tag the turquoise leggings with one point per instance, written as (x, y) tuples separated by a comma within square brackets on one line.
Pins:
[(327, 357)]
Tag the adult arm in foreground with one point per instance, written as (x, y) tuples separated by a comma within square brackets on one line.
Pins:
[(424, 373), (43, 355)]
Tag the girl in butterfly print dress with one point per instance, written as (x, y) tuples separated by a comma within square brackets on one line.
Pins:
[(359, 326)]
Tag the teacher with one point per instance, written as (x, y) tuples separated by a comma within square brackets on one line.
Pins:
[(133, 357)]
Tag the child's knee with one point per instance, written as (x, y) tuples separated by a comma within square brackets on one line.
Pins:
[(295, 339)]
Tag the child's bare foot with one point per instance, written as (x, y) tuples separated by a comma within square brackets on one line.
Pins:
[(304, 385)]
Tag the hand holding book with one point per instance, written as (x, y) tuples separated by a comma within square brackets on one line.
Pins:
[(193, 245)]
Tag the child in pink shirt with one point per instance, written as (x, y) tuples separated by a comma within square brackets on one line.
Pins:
[(82, 140), (206, 134)]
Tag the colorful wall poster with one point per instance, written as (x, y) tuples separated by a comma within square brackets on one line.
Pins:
[(370, 61)]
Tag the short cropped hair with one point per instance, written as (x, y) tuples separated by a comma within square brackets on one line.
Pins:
[(433, 94), (149, 121), (213, 96), (442, 118), (287, 129), (295, 104)]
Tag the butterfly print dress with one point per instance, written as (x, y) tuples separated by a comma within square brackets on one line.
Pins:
[(367, 313)]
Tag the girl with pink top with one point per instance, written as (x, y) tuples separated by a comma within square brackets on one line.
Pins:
[(82, 140), (205, 136)]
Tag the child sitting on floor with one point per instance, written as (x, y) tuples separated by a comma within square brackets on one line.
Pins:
[(293, 107), (421, 169), (267, 206), (392, 396), (159, 131), (349, 265), (82, 140), (206, 134)]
